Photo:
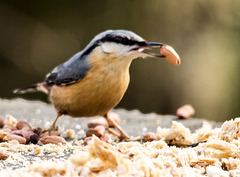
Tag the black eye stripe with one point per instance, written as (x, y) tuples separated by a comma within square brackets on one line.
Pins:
[(122, 40), (113, 38)]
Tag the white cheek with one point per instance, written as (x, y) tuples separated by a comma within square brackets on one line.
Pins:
[(116, 49), (107, 48)]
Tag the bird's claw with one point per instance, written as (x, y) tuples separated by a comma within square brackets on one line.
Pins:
[(52, 128)]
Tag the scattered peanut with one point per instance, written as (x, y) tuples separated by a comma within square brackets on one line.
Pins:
[(3, 156), (23, 133), (185, 111), (37, 130), (20, 139), (98, 121), (52, 140), (34, 138), (23, 124), (98, 131), (106, 138), (149, 137), (17, 132)]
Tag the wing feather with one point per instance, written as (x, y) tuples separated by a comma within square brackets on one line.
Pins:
[(69, 72)]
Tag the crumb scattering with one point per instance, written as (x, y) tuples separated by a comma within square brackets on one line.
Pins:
[(216, 153)]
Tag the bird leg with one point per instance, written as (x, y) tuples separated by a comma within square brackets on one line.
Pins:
[(53, 127), (123, 134), (113, 132)]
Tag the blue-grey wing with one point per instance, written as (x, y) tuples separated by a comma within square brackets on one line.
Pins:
[(69, 72)]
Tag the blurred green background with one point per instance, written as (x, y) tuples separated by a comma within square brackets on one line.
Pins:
[(35, 36)]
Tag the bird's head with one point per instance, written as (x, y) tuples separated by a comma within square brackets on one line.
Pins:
[(121, 44)]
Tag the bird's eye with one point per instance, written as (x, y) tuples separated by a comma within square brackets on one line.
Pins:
[(142, 43), (125, 41)]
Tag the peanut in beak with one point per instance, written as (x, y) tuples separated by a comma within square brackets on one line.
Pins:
[(166, 52), (170, 55)]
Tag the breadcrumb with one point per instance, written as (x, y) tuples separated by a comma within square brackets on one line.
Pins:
[(217, 153)]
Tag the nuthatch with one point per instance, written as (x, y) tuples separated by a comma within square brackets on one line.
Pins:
[(93, 81)]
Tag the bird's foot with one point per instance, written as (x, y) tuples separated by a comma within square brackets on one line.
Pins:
[(123, 135), (52, 128)]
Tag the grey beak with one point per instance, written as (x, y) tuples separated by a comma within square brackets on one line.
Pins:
[(153, 45)]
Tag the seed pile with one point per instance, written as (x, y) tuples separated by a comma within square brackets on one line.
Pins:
[(22, 132)]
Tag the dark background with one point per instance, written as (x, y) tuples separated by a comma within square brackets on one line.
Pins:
[(35, 36)]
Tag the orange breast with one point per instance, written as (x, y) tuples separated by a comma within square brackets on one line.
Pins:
[(96, 94)]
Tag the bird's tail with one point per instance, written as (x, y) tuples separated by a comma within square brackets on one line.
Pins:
[(40, 87)]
